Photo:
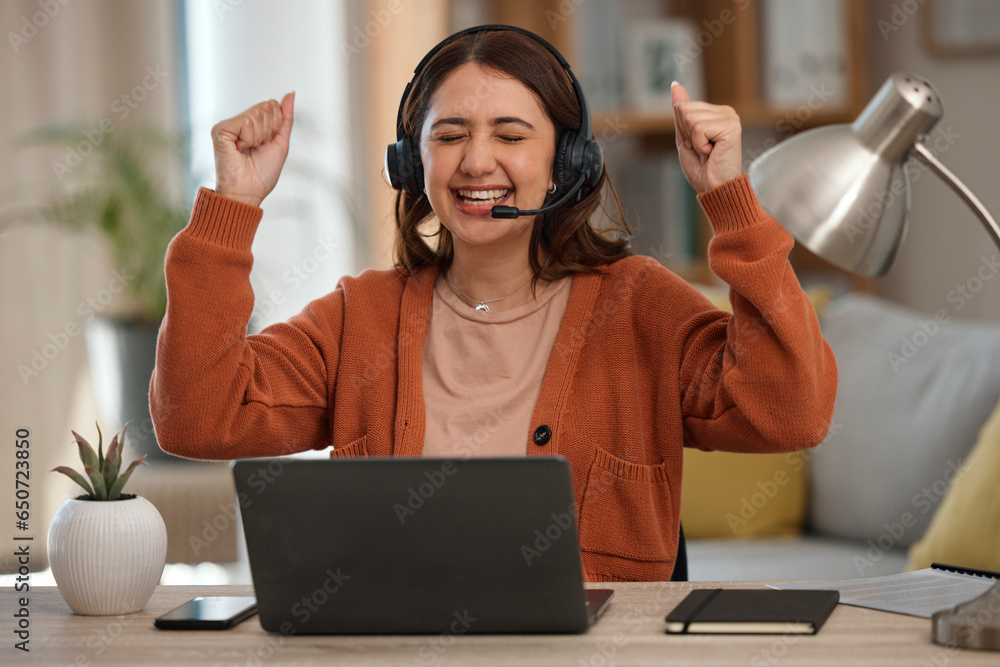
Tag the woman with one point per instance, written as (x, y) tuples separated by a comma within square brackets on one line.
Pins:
[(535, 335)]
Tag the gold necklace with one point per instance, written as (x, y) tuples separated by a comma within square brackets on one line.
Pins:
[(481, 305)]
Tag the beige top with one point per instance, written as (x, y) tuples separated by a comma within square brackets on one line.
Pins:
[(482, 372)]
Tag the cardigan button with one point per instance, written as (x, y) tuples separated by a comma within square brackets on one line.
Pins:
[(542, 435)]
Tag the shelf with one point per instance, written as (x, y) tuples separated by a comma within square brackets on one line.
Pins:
[(785, 121), (613, 123)]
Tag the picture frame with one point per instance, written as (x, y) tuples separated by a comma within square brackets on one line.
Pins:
[(657, 53), (955, 28)]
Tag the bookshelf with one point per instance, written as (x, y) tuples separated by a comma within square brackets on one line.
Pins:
[(732, 51), (732, 60)]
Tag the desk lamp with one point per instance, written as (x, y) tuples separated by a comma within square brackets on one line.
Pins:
[(843, 192)]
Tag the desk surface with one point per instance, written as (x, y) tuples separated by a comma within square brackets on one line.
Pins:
[(630, 633)]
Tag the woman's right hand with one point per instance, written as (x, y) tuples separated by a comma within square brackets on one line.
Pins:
[(251, 148)]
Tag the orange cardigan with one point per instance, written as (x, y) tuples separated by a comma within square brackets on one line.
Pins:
[(643, 365)]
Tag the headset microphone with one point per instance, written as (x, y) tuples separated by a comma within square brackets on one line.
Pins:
[(514, 212)]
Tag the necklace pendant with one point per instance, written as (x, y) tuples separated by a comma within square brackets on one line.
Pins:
[(483, 307)]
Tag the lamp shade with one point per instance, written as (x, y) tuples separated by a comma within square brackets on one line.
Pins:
[(842, 190)]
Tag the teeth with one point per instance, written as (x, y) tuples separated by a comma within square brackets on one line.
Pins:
[(484, 195)]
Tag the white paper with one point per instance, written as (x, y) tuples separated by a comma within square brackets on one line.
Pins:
[(919, 593)]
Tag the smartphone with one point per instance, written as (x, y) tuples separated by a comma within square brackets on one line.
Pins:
[(208, 613)]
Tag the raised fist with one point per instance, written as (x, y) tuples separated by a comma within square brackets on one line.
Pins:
[(251, 148)]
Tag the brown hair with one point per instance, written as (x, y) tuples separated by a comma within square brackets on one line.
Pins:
[(567, 236)]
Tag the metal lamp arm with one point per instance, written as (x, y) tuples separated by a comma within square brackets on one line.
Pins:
[(946, 175)]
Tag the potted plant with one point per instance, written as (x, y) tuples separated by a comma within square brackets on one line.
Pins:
[(106, 548), (119, 188)]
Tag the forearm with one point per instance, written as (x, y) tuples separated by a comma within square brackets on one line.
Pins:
[(217, 393), (765, 379)]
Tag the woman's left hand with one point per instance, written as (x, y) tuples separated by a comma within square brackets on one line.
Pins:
[(708, 140)]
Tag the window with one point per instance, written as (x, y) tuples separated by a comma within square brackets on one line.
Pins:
[(239, 53)]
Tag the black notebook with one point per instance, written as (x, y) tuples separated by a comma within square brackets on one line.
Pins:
[(742, 611)]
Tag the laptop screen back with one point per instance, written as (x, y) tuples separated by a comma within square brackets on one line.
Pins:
[(363, 546)]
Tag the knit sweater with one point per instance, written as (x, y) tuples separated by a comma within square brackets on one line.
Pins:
[(642, 365)]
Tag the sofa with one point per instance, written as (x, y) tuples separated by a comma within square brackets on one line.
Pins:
[(909, 473)]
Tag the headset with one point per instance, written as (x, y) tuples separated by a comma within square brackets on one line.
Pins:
[(579, 159)]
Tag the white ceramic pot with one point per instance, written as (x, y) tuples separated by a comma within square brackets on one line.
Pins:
[(107, 556)]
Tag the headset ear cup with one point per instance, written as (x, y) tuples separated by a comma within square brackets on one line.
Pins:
[(415, 180), (389, 165), (574, 154), (593, 161), (563, 167), (404, 168)]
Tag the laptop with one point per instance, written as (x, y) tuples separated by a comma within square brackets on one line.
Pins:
[(415, 546)]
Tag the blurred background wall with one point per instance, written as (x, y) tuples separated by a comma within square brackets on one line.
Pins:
[(945, 244)]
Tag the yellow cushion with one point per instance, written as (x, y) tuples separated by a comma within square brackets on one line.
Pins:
[(965, 529), (725, 494)]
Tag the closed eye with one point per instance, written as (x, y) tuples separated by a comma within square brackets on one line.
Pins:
[(456, 137)]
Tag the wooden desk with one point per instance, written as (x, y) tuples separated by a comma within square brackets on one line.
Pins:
[(630, 633)]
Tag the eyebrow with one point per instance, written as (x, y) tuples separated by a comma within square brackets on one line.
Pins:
[(503, 120)]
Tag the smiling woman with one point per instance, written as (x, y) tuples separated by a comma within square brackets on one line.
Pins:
[(483, 158), (497, 118), (609, 360)]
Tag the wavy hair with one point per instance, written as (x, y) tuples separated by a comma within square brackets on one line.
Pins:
[(566, 237)]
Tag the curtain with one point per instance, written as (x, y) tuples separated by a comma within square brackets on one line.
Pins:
[(312, 228)]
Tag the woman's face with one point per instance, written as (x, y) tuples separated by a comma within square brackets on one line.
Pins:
[(486, 141)]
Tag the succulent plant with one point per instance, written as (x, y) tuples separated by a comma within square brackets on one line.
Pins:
[(105, 482)]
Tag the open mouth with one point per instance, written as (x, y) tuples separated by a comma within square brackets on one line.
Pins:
[(481, 197)]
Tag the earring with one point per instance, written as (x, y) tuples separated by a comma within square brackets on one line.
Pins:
[(552, 190)]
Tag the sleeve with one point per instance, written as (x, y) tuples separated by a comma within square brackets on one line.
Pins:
[(217, 393), (763, 379)]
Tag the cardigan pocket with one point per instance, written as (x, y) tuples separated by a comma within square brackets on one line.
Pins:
[(357, 448), (625, 507)]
